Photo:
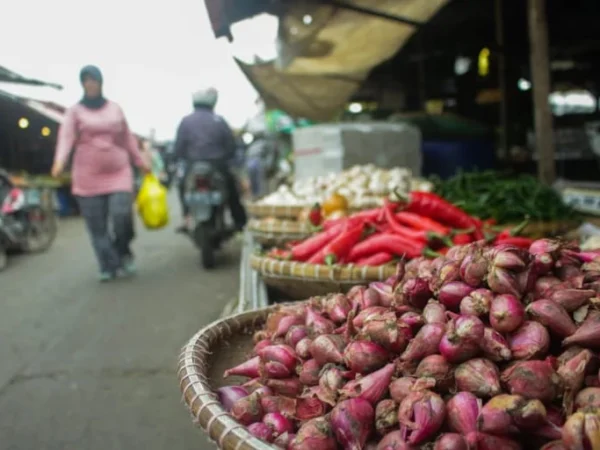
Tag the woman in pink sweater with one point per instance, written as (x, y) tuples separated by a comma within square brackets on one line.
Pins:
[(102, 176)]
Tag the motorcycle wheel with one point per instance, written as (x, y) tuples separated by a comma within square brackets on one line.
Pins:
[(41, 234), (204, 239)]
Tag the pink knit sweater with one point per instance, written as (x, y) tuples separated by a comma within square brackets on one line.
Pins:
[(104, 146)]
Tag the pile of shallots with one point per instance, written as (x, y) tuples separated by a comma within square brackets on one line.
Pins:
[(486, 348)]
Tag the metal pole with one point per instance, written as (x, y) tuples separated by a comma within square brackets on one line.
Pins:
[(540, 77), (499, 13)]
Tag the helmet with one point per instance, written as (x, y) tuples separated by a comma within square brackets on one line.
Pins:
[(205, 97)]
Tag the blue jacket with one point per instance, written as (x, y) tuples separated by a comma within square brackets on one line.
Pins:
[(204, 136)]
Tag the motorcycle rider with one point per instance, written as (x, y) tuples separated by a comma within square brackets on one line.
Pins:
[(205, 136)]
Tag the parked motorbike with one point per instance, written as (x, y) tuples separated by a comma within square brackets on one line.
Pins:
[(206, 194), (27, 220)]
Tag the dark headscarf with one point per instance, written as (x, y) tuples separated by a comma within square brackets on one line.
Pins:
[(92, 102)]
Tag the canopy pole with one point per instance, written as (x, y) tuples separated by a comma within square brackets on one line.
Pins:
[(540, 78), (499, 13)]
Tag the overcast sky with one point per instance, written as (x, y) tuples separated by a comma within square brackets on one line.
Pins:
[(152, 54)]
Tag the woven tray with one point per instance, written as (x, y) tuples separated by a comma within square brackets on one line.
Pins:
[(548, 229), (217, 347), (300, 280), (278, 231), (279, 212)]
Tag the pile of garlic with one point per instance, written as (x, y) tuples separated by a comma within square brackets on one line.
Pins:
[(363, 186)]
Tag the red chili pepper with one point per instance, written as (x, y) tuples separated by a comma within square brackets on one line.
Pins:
[(515, 231), (314, 216), (517, 241), (421, 223), (377, 259), (366, 215), (386, 242), (462, 239), (435, 207), (341, 246), (309, 247), (408, 233)]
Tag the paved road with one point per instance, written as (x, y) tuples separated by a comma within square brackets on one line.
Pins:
[(85, 366)]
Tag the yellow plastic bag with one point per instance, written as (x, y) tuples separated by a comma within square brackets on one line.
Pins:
[(152, 203)]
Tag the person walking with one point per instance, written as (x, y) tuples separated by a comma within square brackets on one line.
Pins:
[(102, 175)]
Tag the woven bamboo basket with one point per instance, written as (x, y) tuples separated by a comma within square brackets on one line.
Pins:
[(537, 230), (277, 211), (275, 232), (217, 347), (300, 280)]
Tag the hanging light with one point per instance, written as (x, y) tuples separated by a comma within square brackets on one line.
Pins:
[(355, 108), (307, 19), (23, 122), (46, 131)]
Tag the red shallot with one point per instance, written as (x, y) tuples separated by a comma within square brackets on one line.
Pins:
[(279, 404), (494, 346), (401, 387), (482, 441), (262, 344), (328, 348), (438, 368), (570, 299), (330, 383), (477, 303), (434, 312), (588, 398), (386, 416), (317, 323), (261, 431), (309, 372), (572, 373), (555, 445), (462, 339), (295, 334), (352, 422), (247, 410), (385, 295), (416, 292), (371, 387), (287, 386), (250, 369), (463, 411), (303, 348), (284, 440), (425, 343), (315, 434), (394, 441), (588, 334), (421, 415), (285, 323), (502, 281), (479, 377), (279, 360), (228, 395), (451, 441), (506, 313), (582, 431), (504, 414), (451, 294), (365, 356), (337, 307), (278, 423), (310, 408), (531, 340), (532, 379), (553, 316)]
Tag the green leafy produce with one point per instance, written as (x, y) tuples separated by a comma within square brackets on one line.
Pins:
[(504, 197)]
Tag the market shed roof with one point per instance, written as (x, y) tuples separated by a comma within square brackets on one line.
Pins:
[(13, 77), (47, 110), (324, 60)]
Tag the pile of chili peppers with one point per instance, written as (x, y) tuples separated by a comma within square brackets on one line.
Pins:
[(422, 225)]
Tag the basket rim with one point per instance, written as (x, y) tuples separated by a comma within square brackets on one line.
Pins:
[(298, 271), (196, 391)]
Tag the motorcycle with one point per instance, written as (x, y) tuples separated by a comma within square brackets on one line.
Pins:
[(206, 194), (27, 219)]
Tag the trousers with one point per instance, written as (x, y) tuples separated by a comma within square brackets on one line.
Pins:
[(109, 221)]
